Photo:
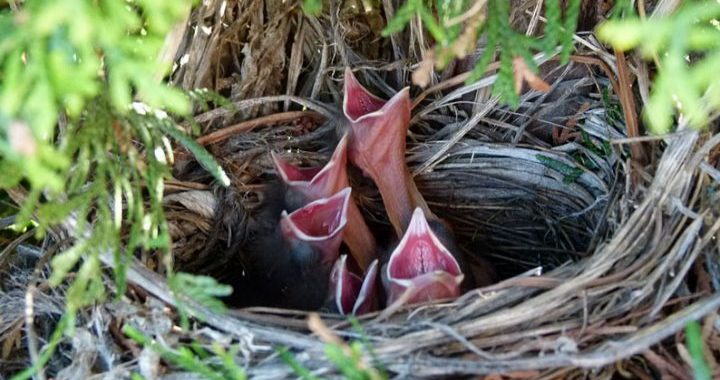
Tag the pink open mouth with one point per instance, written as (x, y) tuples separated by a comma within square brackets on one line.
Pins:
[(353, 294), (320, 182), (319, 223), (421, 265), (358, 101), (316, 182)]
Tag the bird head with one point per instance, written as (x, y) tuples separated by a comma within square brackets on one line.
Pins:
[(353, 294), (315, 182), (319, 224), (421, 268)]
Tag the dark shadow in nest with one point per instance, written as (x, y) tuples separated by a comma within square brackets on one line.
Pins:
[(520, 197)]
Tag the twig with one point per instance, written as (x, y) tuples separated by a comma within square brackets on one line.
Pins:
[(638, 139), (663, 365), (249, 103), (476, 8), (627, 101), (245, 126), (461, 78), (30, 330)]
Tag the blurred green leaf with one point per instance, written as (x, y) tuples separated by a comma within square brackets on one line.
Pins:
[(402, 17), (694, 340), (312, 7), (685, 83), (65, 261), (202, 289), (298, 368), (182, 356), (56, 56), (452, 23)]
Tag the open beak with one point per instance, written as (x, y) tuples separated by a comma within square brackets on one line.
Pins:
[(377, 146), (421, 268), (353, 294), (319, 223), (317, 183)]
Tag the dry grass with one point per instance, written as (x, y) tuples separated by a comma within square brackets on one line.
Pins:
[(599, 270)]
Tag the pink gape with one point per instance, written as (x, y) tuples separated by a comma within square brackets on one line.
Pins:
[(377, 146), (353, 294), (422, 266), (420, 263), (321, 182), (318, 224)]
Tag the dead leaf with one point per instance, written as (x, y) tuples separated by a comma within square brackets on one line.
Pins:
[(465, 43), (12, 339), (421, 76), (523, 73)]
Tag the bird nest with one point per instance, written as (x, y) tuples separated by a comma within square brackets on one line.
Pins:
[(601, 256)]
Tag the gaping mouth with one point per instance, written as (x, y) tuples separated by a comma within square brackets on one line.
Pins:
[(377, 146), (422, 264), (316, 182), (319, 223), (320, 219), (358, 101), (353, 294)]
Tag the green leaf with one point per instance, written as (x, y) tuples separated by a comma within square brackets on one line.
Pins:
[(65, 261), (312, 7), (298, 368), (87, 287), (11, 174), (432, 25), (622, 8), (693, 337), (684, 81), (552, 27), (570, 23), (569, 172), (202, 289), (182, 357), (402, 17), (623, 35), (231, 369)]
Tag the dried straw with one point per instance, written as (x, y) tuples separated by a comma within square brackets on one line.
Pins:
[(602, 262)]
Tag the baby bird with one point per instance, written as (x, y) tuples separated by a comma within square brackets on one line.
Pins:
[(423, 263), (422, 268), (288, 263), (303, 185), (353, 294)]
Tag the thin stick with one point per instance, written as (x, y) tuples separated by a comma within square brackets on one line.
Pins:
[(627, 102), (30, 330), (249, 103), (248, 125)]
